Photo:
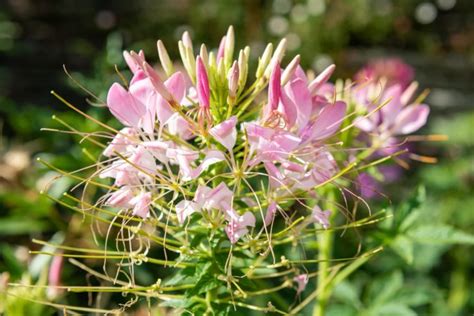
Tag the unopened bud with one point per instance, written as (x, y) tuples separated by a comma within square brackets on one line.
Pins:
[(188, 60), (321, 79), (164, 58), (221, 69), (290, 70), (277, 57), (229, 46), (188, 43), (202, 84), (264, 60), (220, 51), (212, 61), (243, 66), (204, 55), (233, 79)]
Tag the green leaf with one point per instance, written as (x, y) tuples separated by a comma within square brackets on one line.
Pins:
[(408, 213), (14, 267), (440, 234), (205, 283), (206, 280), (416, 295), (181, 276), (383, 289), (19, 226), (393, 309), (403, 246), (341, 310), (347, 292)]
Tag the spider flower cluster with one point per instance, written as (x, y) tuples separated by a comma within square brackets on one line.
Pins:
[(221, 167)]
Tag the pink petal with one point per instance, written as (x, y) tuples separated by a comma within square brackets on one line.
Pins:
[(185, 209), (365, 124), (159, 149), (143, 158), (248, 219), (120, 142), (274, 92), (270, 215), (201, 195), (176, 85), (123, 106), (237, 227), (411, 119), (142, 204), (327, 123), (274, 175), (219, 198), (133, 62), (120, 198), (189, 173), (302, 280), (178, 126), (368, 187), (321, 217), (225, 133), (287, 141), (298, 92), (220, 51), (288, 108), (391, 110), (54, 275), (202, 85)]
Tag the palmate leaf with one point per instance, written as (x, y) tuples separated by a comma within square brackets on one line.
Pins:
[(384, 289), (206, 280), (392, 309), (403, 246), (440, 234)]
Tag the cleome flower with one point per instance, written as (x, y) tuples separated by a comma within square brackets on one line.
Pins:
[(224, 168)]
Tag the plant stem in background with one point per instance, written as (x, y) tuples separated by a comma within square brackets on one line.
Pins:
[(325, 243)]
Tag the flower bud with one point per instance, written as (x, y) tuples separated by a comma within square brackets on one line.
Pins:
[(221, 69), (264, 60), (202, 84), (277, 57), (229, 46), (290, 70), (212, 61), (220, 51), (274, 87), (321, 79), (188, 43), (187, 56), (243, 66), (233, 79), (204, 55), (164, 58)]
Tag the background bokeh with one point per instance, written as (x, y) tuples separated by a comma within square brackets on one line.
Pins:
[(436, 37)]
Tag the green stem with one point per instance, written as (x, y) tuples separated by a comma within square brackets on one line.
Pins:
[(325, 242)]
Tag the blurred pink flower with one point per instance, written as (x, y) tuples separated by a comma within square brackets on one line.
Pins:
[(393, 69)]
